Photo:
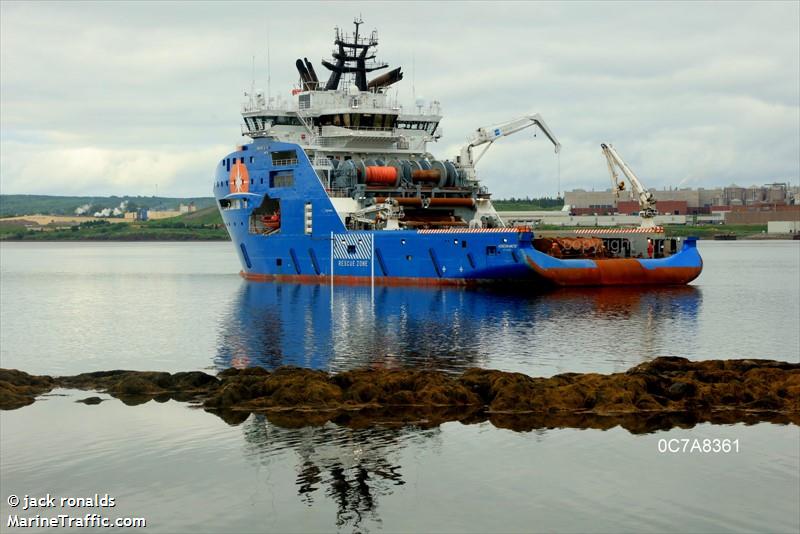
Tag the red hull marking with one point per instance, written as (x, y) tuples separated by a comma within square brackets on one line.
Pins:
[(617, 272), (362, 280)]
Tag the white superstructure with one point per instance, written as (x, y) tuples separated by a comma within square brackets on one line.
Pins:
[(371, 154)]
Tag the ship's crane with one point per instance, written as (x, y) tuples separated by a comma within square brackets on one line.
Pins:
[(647, 202), (487, 136)]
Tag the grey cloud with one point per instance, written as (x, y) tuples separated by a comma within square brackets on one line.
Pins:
[(114, 97)]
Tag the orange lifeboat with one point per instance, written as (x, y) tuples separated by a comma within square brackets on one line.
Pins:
[(272, 221)]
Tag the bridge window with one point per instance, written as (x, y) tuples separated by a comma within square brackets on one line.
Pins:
[(427, 126), (281, 120)]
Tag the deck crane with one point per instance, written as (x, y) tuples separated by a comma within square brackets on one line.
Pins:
[(647, 202), (487, 136)]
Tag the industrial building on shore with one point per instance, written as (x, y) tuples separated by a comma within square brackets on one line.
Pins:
[(723, 205), (732, 204)]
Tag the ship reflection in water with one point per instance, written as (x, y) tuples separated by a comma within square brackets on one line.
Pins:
[(314, 326), (352, 468)]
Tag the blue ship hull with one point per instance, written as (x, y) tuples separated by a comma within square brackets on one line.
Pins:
[(314, 244)]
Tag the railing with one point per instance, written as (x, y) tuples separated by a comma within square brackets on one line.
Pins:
[(306, 120), (327, 141), (362, 128), (322, 163), (336, 192), (248, 107), (284, 162)]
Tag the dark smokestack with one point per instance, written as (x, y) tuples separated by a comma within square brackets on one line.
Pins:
[(305, 77)]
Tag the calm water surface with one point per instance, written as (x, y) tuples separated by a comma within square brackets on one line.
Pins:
[(67, 308)]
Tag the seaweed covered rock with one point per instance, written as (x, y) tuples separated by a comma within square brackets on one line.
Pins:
[(403, 387), (296, 388), (661, 392), (18, 388), (141, 383)]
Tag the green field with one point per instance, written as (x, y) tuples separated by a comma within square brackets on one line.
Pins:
[(14, 205), (202, 225)]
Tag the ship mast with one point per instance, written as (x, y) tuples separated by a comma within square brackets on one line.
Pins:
[(351, 58)]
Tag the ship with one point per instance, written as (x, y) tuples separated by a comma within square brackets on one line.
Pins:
[(337, 185)]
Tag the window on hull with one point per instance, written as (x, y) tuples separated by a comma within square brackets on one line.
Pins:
[(233, 203)]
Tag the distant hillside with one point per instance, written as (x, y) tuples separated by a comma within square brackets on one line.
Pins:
[(13, 205), (201, 217), (16, 205)]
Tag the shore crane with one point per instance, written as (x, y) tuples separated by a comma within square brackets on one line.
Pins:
[(647, 202), (487, 136)]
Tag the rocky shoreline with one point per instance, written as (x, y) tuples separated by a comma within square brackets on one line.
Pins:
[(661, 393)]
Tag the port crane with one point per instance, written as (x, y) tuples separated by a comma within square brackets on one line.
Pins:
[(487, 136), (647, 202)]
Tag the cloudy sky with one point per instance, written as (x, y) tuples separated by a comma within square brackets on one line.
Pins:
[(114, 98)]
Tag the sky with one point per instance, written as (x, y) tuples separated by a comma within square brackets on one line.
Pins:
[(145, 97)]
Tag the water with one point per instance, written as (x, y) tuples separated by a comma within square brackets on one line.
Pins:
[(69, 308)]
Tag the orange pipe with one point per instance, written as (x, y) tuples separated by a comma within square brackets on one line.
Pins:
[(432, 175), (435, 202), (463, 202)]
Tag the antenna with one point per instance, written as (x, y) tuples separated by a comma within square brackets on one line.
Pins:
[(269, 70), (253, 78), (413, 77), (358, 22)]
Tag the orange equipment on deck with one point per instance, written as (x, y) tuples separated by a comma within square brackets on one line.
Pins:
[(571, 247), (381, 175), (432, 175), (437, 202)]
